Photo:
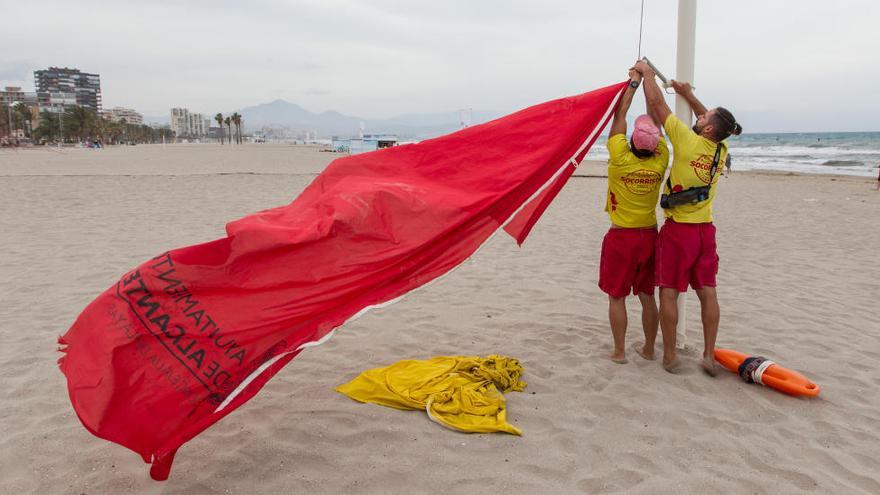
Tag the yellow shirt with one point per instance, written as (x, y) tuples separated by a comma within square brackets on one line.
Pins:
[(634, 183), (691, 165)]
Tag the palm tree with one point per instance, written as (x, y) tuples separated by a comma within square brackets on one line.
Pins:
[(122, 124), (80, 121), (48, 127), (219, 119), (114, 131), (228, 121), (5, 120), (236, 119), (21, 114)]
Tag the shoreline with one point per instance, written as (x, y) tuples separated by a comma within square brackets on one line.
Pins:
[(320, 155)]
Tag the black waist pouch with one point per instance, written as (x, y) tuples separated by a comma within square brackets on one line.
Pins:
[(690, 195)]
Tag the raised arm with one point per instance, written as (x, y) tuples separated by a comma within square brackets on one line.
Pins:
[(618, 124), (655, 119), (654, 101), (685, 90)]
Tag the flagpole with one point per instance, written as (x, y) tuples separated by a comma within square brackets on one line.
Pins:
[(684, 71)]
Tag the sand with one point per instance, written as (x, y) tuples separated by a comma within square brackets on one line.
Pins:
[(798, 283)]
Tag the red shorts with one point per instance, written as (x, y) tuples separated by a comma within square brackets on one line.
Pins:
[(627, 262), (686, 254)]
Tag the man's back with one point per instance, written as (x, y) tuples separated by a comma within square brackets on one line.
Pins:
[(634, 183), (691, 167)]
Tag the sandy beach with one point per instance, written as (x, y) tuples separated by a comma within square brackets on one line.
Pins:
[(799, 283)]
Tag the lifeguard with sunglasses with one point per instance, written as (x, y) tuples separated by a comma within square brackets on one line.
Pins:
[(686, 249)]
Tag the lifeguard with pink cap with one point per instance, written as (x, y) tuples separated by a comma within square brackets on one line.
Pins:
[(635, 174)]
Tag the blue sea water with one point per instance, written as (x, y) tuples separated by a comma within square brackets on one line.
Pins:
[(845, 153)]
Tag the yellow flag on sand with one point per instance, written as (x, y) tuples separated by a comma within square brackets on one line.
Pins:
[(461, 392)]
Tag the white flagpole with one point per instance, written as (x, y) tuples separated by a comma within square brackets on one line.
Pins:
[(684, 71)]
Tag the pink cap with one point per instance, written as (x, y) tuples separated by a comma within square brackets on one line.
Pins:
[(645, 135)]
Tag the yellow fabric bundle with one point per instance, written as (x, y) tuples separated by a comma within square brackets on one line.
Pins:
[(461, 392)]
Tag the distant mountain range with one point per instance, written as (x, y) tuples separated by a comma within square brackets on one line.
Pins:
[(283, 114)]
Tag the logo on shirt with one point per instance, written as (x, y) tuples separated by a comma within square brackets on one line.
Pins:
[(641, 181), (702, 167)]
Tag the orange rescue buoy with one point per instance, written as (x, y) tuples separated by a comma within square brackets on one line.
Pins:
[(767, 373)]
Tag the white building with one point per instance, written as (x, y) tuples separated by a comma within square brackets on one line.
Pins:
[(197, 124), (117, 114), (56, 102), (184, 123), (178, 121)]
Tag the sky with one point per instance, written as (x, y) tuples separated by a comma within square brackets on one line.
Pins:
[(779, 66)]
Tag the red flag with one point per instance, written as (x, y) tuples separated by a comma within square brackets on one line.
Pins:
[(192, 334)]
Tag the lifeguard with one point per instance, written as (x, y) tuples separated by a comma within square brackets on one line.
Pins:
[(686, 249), (635, 172)]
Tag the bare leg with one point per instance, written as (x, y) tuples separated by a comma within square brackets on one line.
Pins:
[(617, 317), (650, 320), (668, 320), (711, 314)]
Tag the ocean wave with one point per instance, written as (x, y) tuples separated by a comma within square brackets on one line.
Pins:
[(769, 156), (802, 150), (810, 168), (864, 141), (842, 163), (834, 154)]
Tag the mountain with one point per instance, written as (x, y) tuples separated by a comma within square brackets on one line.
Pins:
[(427, 125), (280, 113), (155, 119), (283, 114)]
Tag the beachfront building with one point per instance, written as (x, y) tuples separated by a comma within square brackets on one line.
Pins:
[(197, 124), (363, 144), (85, 88), (12, 96), (118, 114), (178, 121), (56, 102), (187, 124)]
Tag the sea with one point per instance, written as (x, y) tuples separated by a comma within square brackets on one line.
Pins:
[(840, 153)]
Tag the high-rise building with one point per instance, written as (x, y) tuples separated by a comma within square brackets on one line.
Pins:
[(197, 124), (86, 88), (117, 114), (184, 123), (178, 120)]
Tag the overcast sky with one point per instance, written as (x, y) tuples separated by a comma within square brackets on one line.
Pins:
[(778, 65)]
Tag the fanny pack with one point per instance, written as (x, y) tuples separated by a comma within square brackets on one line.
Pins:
[(690, 195)]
